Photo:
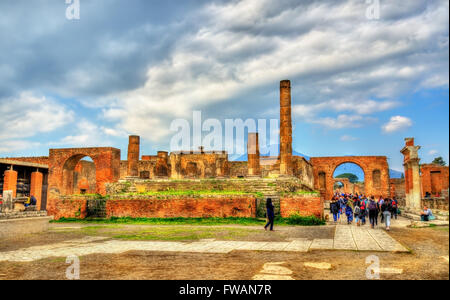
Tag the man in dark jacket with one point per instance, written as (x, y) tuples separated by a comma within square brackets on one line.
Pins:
[(270, 214)]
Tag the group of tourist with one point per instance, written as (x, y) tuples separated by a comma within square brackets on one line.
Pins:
[(359, 208)]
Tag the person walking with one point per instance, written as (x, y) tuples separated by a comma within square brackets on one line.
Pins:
[(335, 209), (373, 212), (270, 214), (349, 213), (395, 208), (386, 209)]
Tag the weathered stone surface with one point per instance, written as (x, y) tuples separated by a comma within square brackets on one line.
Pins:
[(376, 173), (320, 266), (304, 205), (133, 155)]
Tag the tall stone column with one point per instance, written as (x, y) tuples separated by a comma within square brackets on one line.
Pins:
[(412, 175), (36, 188), (254, 167), (10, 182), (285, 128), (133, 156)]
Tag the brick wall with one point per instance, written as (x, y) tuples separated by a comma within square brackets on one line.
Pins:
[(70, 207), (301, 205), (42, 160), (169, 207), (220, 207)]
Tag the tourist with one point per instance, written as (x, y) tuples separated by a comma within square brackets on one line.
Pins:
[(373, 212), (380, 203), (357, 211), (363, 213), (349, 213), (426, 215), (386, 210), (394, 208), (270, 214), (335, 209), (33, 201)]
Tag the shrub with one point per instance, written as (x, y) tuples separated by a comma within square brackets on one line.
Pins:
[(304, 221)]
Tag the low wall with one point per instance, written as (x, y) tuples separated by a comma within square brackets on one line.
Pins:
[(163, 207), (70, 207), (16, 227), (220, 207), (436, 203), (304, 205)]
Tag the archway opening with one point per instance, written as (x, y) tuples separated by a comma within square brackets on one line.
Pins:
[(338, 187), (79, 176), (351, 176)]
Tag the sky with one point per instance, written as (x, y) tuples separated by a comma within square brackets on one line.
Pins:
[(360, 85)]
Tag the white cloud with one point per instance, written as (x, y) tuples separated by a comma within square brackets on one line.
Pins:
[(348, 138), (343, 121), (9, 146), (90, 136), (397, 123), (342, 62), (433, 152), (28, 115)]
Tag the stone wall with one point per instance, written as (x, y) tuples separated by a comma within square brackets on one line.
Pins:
[(440, 204), (241, 185), (42, 160), (70, 207), (301, 205), (434, 179), (397, 186), (178, 207)]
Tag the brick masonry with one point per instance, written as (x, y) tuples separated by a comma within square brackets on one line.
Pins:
[(208, 207), (301, 205)]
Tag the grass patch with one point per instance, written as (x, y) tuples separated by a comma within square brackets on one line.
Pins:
[(293, 220)]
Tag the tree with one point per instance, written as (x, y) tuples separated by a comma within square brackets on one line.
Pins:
[(351, 177), (439, 161)]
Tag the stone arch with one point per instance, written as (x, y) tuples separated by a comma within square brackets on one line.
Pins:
[(328, 165), (376, 178), (62, 163)]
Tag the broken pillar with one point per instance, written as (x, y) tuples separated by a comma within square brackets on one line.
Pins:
[(10, 182), (285, 128), (133, 156), (36, 187), (412, 175), (254, 168)]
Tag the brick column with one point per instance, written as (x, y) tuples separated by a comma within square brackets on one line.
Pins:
[(36, 188), (10, 182), (133, 156), (285, 128), (254, 168)]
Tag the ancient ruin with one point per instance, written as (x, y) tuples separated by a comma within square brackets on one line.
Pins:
[(125, 187)]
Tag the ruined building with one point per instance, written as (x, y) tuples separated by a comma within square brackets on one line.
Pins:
[(64, 174)]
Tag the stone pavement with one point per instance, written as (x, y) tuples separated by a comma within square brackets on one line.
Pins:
[(346, 238)]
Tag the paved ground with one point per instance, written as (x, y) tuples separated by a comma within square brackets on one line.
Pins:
[(345, 238), (288, 253)]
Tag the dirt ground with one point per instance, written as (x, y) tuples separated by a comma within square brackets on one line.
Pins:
[(427, 245)]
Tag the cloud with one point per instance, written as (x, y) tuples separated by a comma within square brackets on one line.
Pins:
[(224, 57), (9, 146), (27, 116), (348, 138), (90, 136), (397, 123), (343, 121), (433, 152)]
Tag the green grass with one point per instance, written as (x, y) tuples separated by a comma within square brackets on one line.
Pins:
[(294, 220)]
